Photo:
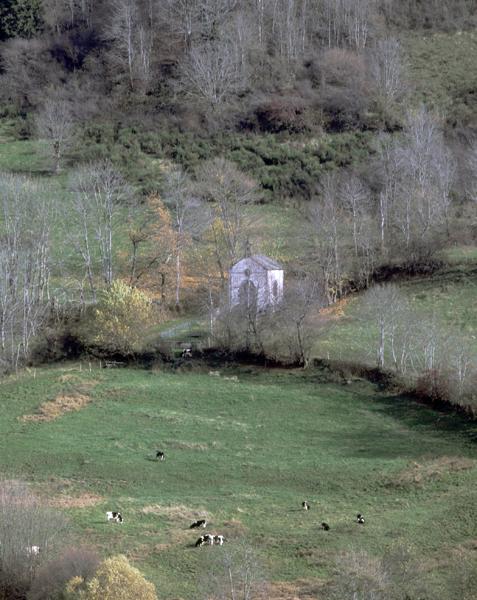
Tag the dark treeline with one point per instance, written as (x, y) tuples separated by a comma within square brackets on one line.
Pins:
[(266, 65)]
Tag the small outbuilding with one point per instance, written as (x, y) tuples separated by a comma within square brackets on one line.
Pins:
[(256, 281)]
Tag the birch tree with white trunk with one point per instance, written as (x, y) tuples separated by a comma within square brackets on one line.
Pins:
[(28, 214), (99, 191)]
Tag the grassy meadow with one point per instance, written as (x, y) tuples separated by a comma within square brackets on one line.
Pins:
[(245, 454), (448, 296)]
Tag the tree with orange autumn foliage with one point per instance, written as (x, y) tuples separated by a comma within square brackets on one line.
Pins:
[(188, 219), (229, 192), (153, 242)]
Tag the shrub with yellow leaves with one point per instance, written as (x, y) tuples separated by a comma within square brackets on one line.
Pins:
[(121, 319), (115, 579)]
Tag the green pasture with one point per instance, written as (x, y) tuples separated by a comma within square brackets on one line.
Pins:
[(244, 453), (448, 297)]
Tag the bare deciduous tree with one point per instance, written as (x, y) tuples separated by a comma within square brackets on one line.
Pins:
[(384, 306), (25, 523), (237, 574), (212, 72), (54, 124), (289, 27), (132, 38), (323, 237), (348, 22), (52, 576), (27, 68), (27, 214), (395, 576), (355, 198), (229, 192), (187, 216), (415, 198), (183, 17), (98, 190), (386, 67), (291, 322)]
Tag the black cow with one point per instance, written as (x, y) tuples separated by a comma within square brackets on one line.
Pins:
[(160, 455), (200, 541), (305, 505), (325, 526), (199, 523), (360, 519)]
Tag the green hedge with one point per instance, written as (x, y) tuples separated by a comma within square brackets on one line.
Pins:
[(283, 166)]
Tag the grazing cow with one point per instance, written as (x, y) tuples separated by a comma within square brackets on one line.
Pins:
[(360, 519), (186, 353), (114, 516), (160, 455), (325, 526), (207, 538), (199, 523), (32, 550), (305, 505), (219, 540)]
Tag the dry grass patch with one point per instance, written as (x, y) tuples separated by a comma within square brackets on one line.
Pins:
[(158, 548), (73, 397), (419, 473), (69, 378), (234, 528), (85, 500), (336, 311), (178, 513), (296, 590), (53, 409)]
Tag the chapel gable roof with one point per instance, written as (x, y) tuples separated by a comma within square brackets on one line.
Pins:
[(266, 262), (261, 261)]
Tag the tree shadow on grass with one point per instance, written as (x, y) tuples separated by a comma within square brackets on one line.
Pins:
[(416, 415), (415, 434)]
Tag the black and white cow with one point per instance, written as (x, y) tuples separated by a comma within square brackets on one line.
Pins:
[(219, 540), (207, 538), (360, 519), (325, 526), (199, 523), (305, 505), (114, 516), (33, 550), (160, 455), (186, 353)]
